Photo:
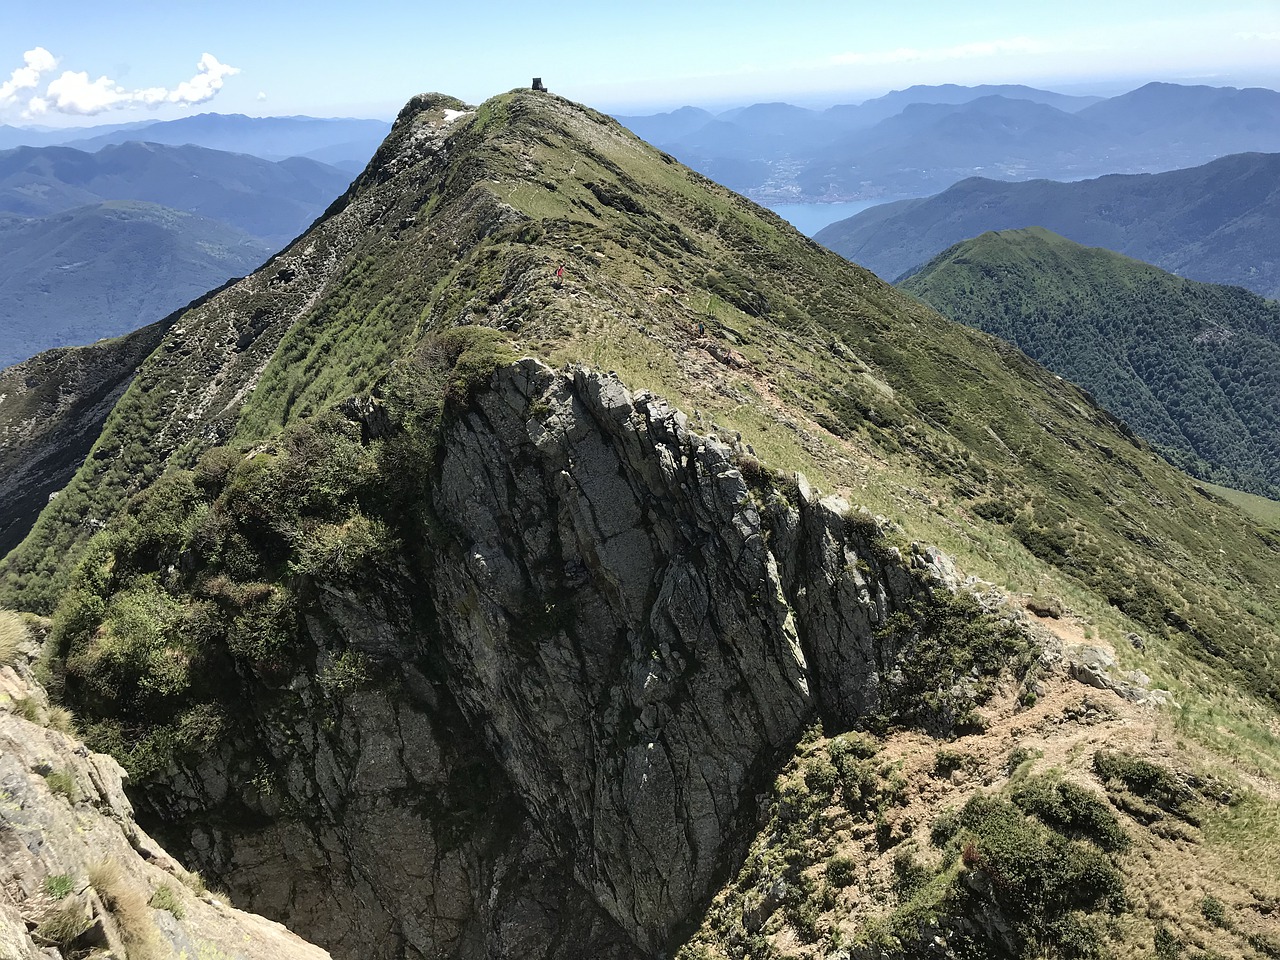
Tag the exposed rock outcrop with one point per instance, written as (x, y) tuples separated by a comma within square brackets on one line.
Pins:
[(566, 739), (77, 872)]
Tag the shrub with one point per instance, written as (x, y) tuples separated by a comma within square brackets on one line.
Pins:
[(1071, 810), (840, 871), (1167, 945), (948, 653), (909, 876), (1032, 879), (346, 672), (1215, 911), (337, 551), (1146, 780)]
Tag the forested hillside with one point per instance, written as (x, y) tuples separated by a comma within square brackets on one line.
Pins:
[(1193, 367)]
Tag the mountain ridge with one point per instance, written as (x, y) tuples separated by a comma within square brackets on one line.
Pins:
[(378, 500)]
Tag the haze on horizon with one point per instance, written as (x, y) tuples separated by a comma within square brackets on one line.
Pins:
[(156, 61)]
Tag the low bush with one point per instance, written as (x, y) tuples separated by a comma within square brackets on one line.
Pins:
[(1215, 911), (1071, 810), (948, 653), (840, 871), (1031, 881), (1147, 780)]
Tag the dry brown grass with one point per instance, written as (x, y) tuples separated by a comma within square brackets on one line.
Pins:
[(129, 908), (63, 924), (13, 633)]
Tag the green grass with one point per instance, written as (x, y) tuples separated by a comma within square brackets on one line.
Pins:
[(58, 886), (62, 783), (164, 898), (1262, 509)]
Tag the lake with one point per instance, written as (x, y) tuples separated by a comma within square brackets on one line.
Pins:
[(809, 218)]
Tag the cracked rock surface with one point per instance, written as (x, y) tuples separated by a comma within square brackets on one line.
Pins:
[(619, 642), (63, 814)]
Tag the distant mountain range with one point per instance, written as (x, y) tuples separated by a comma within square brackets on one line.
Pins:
[(1219, 222), (109, 268), (1193, 367), (920, 140), (765, 130), (273, 201), (94, 245), (343, 142)]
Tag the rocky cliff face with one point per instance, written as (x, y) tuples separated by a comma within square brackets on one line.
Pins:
[(619, 639), (76, 872)]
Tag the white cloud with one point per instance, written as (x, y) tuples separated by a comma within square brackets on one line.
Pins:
[(1271, 37), (27, 77), (963, 51), (207, 81), (262, 94), (75, 93)]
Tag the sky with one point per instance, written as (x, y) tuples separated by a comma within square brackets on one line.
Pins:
[(80, 62)]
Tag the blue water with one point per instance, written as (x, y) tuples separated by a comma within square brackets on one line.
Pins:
[(809, 218)]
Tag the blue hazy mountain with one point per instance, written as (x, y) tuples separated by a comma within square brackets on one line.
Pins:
[(344, 142), (271, 200), (333, 141), (920, 140), (1218, 222), (104, 270)]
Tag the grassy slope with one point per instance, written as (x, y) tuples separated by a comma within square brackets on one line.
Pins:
[(51, 411), (1262, 509), (960, 437), (957, 436), (1190, 366)]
